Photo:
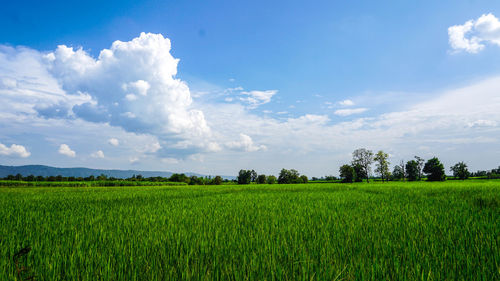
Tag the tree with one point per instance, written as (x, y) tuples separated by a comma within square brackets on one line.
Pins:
[(382, 165), (178, 178), (359, 173), (402, 165), (194, 180), (420, 166), (347, 173), (460, 171), (412, 170), (261, 179), (398, 173), (364, 158), (434, 170), (304, 178), (253, 176), (288, 176), (217, 180), (244, 176), (271, 179)]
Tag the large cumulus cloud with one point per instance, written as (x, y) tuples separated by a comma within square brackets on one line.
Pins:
[(132, 85)]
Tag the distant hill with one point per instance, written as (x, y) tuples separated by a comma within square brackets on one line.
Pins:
[(41, 170)]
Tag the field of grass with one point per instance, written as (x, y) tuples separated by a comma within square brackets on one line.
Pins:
[(97, 183), (390, 231)]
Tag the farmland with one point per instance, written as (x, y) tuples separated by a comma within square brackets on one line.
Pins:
[(392, 231)]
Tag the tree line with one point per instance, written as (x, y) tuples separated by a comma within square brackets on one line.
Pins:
[(181, 178), (285, 176), (412, 170), (357, 170)]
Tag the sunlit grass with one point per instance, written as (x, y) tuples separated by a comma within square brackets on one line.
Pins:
[(391, 231)]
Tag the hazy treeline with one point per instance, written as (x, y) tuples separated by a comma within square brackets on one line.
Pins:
[(103, 180)]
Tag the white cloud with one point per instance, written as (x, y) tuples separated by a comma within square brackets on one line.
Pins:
[(245, 143), (14, 150), (347, 112), (346, 103), (64, 149), (97, 154), (473, 34), (140, 76), (257, 98), (114, 141)]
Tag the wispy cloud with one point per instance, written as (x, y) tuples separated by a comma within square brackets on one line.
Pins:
[(257, 98), (346, 103), (350, 111), (97, 154)]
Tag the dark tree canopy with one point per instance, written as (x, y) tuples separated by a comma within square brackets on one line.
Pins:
[(217, 180), (434, 170), (245, 176), (289, 176), (412, 170), (261, 179), (460, 171), (271, 179), (347, 173), (304, 179), (359, 173)]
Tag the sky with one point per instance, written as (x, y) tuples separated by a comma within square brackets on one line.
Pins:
[(217, 86)]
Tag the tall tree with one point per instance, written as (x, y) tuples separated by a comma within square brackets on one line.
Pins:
[(364, 158), (402, 165), (434, 170), (382, 165), (420, 166), (460, 171), (253, 176)]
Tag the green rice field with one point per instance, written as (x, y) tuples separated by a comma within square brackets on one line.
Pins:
[(377, 231)]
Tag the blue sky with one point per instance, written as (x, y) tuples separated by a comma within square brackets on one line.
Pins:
[(258, 85)]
